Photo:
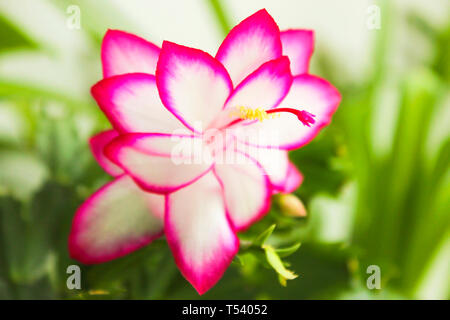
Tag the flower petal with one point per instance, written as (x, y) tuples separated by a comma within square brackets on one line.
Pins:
[(98, 144), (309, 93), (123, 52), (282, 173), (160, 163), (263, 89), (116, 220), (249, 44), (192, 84), (132, 104), (199, 233), (298, 45), (274, 162), (293, 180), (247, 191)]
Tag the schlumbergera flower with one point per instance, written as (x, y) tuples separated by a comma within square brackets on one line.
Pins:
[(255, 97)]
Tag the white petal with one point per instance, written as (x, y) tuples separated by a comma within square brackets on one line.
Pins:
[(199, 233), (132, 104), (98, 144), (248, 45), (124, 52), (247, 191), (160, 163), (116, 220), (308, 93), (192, 84)]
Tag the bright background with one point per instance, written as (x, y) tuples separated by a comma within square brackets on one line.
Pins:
[(377, 180)]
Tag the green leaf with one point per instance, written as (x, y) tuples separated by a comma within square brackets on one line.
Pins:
[(238, 260), (274, 260), (12, 37), (221, 15), (262, 238), (285, 252)]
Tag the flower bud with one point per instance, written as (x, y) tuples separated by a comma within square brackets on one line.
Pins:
[(291, 205)]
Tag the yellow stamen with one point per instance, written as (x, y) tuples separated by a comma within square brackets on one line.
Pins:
[(246, 113)]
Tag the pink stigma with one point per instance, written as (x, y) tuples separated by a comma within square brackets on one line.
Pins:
[(304, 116)]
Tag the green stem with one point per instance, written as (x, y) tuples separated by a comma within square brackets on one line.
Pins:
[(220, 15)]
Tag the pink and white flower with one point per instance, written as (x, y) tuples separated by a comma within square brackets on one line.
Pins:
[(156, 99)]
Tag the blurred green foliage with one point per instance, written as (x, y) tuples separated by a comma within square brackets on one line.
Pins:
[(377, 184)]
